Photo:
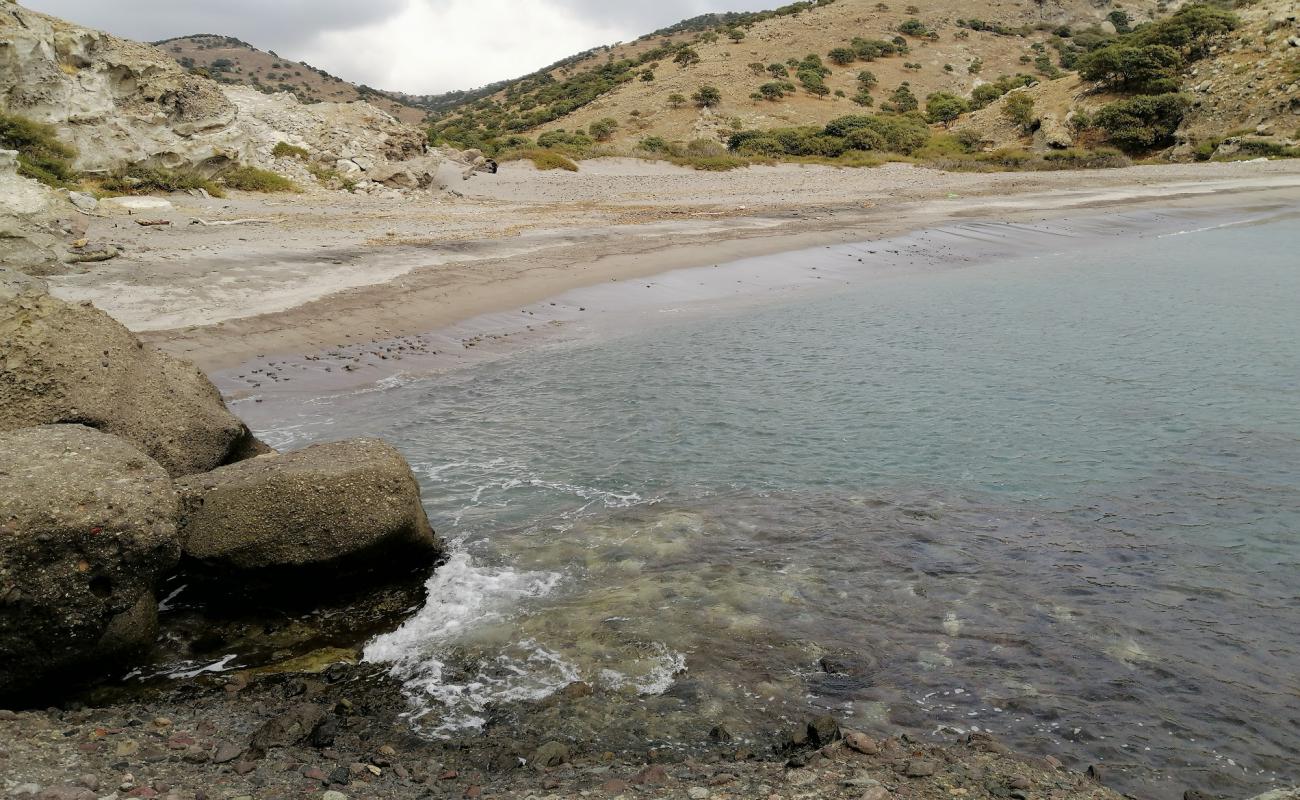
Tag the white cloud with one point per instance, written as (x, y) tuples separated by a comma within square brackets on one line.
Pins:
[(416, 46), (459, 44)]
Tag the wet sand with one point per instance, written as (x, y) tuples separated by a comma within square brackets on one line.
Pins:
[(327, 270)]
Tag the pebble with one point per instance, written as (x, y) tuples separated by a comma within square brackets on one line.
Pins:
[(698, 793), (920, 768), (856, 740), (876, 793), (333, 795), (226, 753)]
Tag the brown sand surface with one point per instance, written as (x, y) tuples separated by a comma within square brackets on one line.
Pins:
[(299, 274)]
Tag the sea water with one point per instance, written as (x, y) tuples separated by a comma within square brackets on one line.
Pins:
[(1054, 497)]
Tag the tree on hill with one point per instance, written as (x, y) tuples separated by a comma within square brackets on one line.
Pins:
[(944, 107), (676, 100), (707, 97)]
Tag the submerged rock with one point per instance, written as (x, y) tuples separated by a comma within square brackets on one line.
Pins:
[(70, 363), (87, 525), (344, 504)]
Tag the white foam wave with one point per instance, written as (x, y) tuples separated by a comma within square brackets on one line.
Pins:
[(464, 596)]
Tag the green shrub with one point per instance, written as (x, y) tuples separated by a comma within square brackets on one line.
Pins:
[(1191, 30), (775, 90), (871, 49), (252, 179), (902, 100), (1149, 69), (676, 100), (548, 160), (867, 80), (853, 133), (913, 27), (778, 70), (842, 56), (1019, 110), (944, 107), (41, 156), (603, 130), (286, 150), (686, 57), (654, 144), (1144, 122), (707, 97), (146, 180)]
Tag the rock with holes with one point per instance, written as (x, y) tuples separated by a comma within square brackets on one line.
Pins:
[(87, 526), (68, 363), (311, 512)]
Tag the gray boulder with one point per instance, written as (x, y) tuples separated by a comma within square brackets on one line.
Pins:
[(30, 239), (342, 504), (72, 363), (87, 526)]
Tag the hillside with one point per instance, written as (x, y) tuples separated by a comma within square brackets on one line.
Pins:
[(232, 61), (765, 79), (957, 60)]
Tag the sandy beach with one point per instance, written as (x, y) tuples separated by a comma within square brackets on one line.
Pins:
[(300, 275)]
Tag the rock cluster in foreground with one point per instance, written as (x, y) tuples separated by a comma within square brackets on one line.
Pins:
[(119, 464)]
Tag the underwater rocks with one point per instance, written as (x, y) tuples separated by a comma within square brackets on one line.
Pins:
[(87, 526), (68, 363), (330, 504)]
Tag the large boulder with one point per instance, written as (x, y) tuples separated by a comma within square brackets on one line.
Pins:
[(72, 363), (87, 526), (345, 504)]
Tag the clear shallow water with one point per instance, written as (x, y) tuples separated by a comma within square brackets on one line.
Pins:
[(1056, 498)]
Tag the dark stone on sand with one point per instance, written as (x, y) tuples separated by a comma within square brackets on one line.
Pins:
[(288, 729), (920, 768), (823, 730), (551, 754), (719, 733), (323, 734)]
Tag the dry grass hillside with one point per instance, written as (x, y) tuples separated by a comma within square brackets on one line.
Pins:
[(802, 66), (229, 60), (954, 58), (943, 65)]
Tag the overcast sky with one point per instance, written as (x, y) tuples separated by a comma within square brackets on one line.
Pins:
[(416, 46)]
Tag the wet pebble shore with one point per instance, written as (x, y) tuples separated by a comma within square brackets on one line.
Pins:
[(341, 734)]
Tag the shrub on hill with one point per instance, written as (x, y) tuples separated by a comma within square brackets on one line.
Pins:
[(286, 150), (901, 100), (147, 180), (707, 97), (252, 179), (41, 156), (842, 56), (986, 93), (1019, 110), (603, 130), (944, 107), (1150, 59), (903, 134), (1144, 122)]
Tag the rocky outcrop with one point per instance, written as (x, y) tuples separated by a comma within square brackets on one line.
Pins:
[(339, 504), (87, 526), (116, 101), (68, 363), (30, 236), (121, 103)]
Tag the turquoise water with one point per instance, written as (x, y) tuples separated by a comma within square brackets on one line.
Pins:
[(1056, 498)]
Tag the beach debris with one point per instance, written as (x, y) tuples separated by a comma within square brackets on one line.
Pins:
[(152, 223), (86, 252), (83, 202), (221, 223)]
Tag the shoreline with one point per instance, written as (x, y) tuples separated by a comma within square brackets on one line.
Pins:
[(441, 285), (619, 306)]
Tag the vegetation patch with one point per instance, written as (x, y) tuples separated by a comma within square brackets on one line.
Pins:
[(41, 156), (286, 150), (252, 179), (153, 180)]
